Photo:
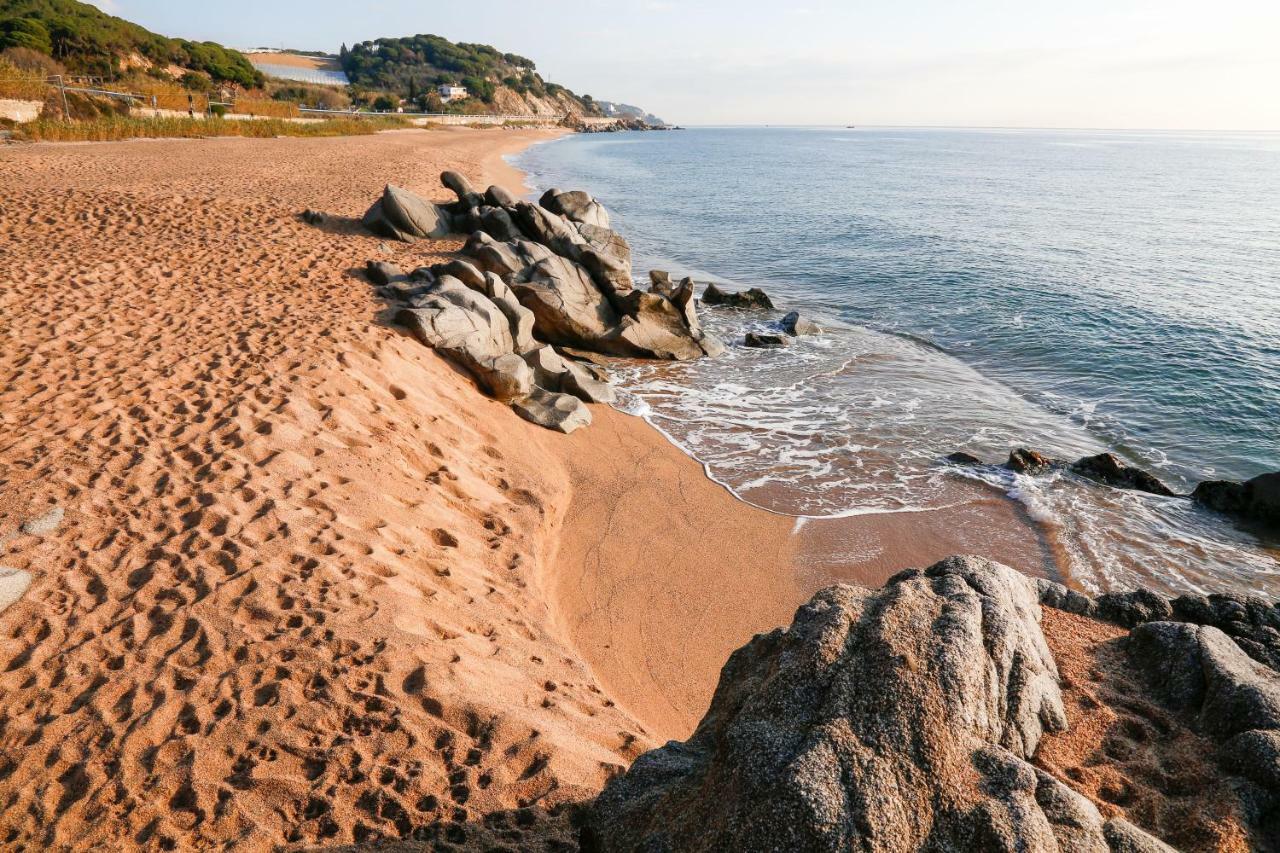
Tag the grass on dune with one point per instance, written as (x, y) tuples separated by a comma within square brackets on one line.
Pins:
[(111, 128)]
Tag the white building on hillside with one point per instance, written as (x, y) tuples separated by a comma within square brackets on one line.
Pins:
[(449, 92)]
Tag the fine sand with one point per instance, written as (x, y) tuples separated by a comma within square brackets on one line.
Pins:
[(310, 585)]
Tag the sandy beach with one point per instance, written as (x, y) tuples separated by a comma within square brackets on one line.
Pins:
[(311, 586)]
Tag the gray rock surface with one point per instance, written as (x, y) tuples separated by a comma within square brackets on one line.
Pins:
[(1256, 500), (753, 298), (561, 412), (760, 340), (1105, 468), (576, 206), (795, 325), (402, 215), (899, 719), (1252, 623)]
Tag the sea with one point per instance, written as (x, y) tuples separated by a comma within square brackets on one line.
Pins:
[(1069, 291)]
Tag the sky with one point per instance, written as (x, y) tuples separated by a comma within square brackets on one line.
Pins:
[(1178, 64)]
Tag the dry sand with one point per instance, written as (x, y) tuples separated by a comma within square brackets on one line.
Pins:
[(311, 586), (298, 591)]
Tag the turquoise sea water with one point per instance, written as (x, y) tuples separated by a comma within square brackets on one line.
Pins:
[(1069, 291)]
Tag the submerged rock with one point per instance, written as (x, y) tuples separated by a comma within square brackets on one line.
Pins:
[(760, 340), (898, 719), (1024, 461), (962, 458)]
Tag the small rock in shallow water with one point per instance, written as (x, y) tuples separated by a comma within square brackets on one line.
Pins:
[(43, 524), (794, 324), (753, 298), (962, 458), (1105, 468), (763, 341), (1024, 461)]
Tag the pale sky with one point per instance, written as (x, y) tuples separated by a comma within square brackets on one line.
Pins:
[(1211, 64)]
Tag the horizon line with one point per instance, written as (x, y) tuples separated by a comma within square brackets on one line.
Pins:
[(990, 127)]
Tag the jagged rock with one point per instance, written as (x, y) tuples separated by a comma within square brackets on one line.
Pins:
[(962, 458), (581, 383), (520, 318), (542, 226), (1253, 500), (606, 242), (493, 256), (681, 296), (1124, 837), (795, 325), (561, 412), (660, 282), (574, 275), (567, 306), (1024, 461), (764, 341), (613, 276), (1199, 669), (382, 273), (898, 719), (1255, 755), (1253, 623), (1132, 608), (753, 298), (1107, 469), (576, 206)]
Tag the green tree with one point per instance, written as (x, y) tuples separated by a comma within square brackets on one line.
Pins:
[(26, 32)]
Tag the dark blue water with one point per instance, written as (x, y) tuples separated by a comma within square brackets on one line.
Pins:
[(1071, 291)]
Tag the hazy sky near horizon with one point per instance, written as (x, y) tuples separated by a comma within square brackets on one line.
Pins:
[(1092, 63)]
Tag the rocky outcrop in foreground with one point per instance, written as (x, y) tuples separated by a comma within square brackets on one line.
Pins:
[(553, 273), (889, 720)]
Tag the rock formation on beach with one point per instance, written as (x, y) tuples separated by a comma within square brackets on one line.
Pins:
[(1255, 501), (552, 273), (896, 719)]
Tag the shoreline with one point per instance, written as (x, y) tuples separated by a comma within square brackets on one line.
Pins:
[(301, 564)]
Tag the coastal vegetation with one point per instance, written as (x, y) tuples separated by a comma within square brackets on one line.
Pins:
[(411, 68), (89, 41), (115, 128)]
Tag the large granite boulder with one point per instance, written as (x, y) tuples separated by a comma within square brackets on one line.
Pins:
[(402, 215), (1256, 500), (899, 719)]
